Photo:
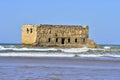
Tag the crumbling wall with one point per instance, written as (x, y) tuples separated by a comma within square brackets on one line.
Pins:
[(62, 35), (68, 36)]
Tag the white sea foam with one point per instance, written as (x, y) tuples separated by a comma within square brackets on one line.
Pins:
[(35, 55), (29, 49), (75, 50), (34, 49), (107, 47), (1, 47), (59, 52), (56, 55), (48, 49), (66, 50), (96, 49)]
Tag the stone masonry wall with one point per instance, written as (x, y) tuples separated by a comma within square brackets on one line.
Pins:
[(57, 36), (62, 35)]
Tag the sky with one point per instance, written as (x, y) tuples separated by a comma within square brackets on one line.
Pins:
[(102, 17)]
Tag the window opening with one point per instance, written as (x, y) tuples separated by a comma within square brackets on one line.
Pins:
[(76, 40), (63, 41), (49, 40), (56, 39), (68, 40), (31, 30), (84, 40)]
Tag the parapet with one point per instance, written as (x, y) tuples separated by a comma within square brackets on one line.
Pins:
[(51, 25)]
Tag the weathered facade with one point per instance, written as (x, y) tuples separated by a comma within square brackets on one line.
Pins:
[(65, 36)]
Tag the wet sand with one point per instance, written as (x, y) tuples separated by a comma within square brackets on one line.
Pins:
[(58, 68)]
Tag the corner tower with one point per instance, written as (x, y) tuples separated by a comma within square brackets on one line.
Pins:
[(29, 34)]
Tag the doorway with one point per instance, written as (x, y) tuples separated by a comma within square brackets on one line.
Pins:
[(63, 41)]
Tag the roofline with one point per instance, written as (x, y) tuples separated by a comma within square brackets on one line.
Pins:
[(56, 25)]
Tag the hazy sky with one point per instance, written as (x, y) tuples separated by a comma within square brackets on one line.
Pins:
[(102, 16)]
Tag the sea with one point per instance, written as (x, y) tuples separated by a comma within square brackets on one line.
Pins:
[(18, 62)]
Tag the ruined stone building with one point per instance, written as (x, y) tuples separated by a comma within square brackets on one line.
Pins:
[(64, 36)]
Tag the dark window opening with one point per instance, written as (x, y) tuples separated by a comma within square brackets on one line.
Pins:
[(31, 30), (63, 40), (68, 40), (27, 30), (49, 40), (76, 40), (56, 39), (84, 40)]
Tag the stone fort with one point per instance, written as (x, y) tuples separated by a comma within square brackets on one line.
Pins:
[(63, 36)]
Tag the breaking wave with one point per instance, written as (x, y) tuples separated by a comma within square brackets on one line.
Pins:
[(1, 47), (104, 51), (27, 49), (66, 50), (98, 56)]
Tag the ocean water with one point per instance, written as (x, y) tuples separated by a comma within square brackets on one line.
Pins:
[(18, 62), (16, 50)]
